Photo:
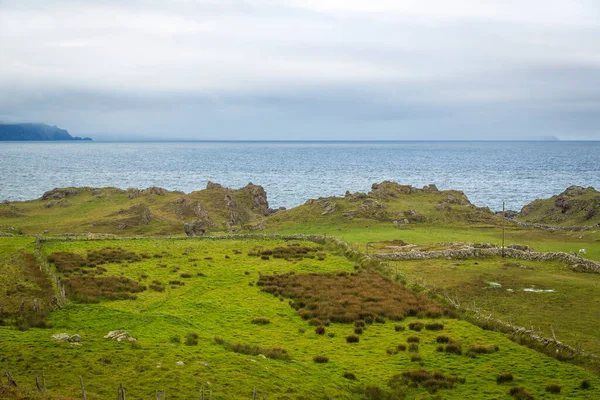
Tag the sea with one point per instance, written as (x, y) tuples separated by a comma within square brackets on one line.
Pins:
[(489, 173)]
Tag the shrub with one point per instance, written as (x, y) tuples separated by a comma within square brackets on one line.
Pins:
[(434, 326), (553, 388), (261, 321), (454, 348), (585, 384), (348, 298), (275, 353), (380, 320), (320, 330), (265, 257), (479, 349), (175, 339), (416, 326), (321, 359), (504, 377), (89, 289), (413, 339), (352, 339), (399, 328), (349, 375), (442, 339), (520, 393), (401, 347), (431, 381), (358, 330), (359, 323), (413, 347), (185, 275), (415, 358), (191, 339)]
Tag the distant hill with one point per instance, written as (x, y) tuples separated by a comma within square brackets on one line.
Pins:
[(34, 132)]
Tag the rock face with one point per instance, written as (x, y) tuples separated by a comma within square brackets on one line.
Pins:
[(196, 228)]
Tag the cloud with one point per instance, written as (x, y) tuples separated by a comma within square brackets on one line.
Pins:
[(303, 69)]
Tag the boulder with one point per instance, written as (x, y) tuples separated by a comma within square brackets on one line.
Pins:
[(75, 338), (196, 228), (119, 335), (61, 337)]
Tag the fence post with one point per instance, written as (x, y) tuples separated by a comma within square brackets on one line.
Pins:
[(254, 394), (82, 388)]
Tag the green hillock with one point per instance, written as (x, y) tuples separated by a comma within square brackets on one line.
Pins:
[(388, 204), (576, 206), (151, 211)]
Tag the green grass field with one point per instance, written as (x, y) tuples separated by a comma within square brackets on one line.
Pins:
[(219, 298)]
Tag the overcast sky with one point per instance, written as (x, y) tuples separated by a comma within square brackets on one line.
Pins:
[(303, 69)]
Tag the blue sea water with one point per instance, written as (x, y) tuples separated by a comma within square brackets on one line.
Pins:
[(293, 172)]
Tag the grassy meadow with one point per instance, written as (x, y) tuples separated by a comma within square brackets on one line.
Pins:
[(204, 322)]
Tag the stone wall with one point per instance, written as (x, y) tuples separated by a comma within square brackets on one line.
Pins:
[(471, 252)]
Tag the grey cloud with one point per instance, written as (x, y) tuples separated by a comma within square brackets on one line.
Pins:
[(303, 69)]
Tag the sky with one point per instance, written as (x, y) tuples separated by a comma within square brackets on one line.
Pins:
[(303, 69)]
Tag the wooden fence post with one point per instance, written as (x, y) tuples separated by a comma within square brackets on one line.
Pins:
[(254, 394), (44, 381), (82, 388)]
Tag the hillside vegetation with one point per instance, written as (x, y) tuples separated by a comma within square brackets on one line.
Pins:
[(576, 206)]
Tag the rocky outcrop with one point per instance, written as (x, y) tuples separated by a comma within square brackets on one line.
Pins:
[(259, 198), (59, 193), (134, 193), (194, 229), (576, 206), (56, 203), (138, 214)]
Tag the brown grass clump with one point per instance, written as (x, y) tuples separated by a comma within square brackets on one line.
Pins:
[(442, 339), (112, 255), (275, 353), (479, 349), (453, 348), (413, 339), (87, 289), (321, 359), (504, 377), (261, 321), (157, 286), (520, 393), (553, 388), (434, 326), (416, 326), (358, 330), (399, 328), (320, 330), (431, 381), (347, 298), (352, 339), (72, 263), (349, 375)]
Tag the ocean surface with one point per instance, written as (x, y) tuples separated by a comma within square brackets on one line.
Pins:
[(293, 172)]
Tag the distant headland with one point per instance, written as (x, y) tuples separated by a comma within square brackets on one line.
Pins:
[(32, 132)]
